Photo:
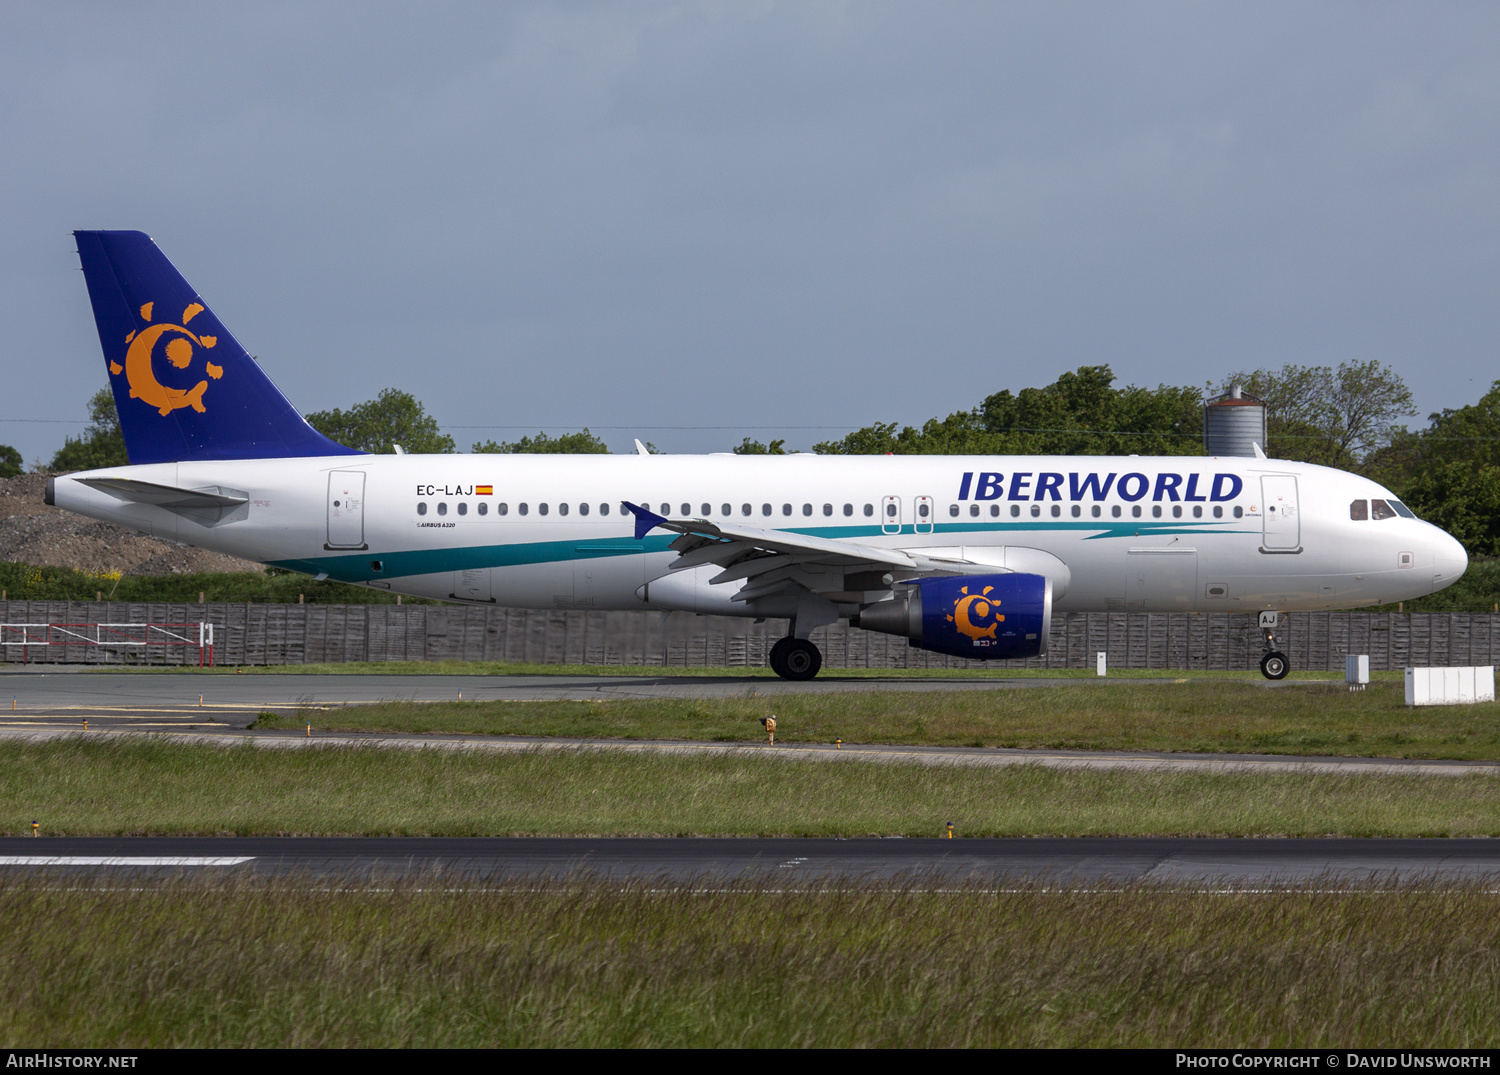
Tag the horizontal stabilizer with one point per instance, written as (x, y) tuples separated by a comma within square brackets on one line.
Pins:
[(167, 496)]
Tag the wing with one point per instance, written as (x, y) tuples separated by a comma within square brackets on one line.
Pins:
[(772, 561)]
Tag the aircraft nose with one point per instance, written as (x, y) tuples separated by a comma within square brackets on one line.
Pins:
[(1449, 560)]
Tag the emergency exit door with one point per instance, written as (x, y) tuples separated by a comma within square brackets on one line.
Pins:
[(890, 515), (1282, 521), (346, 510)]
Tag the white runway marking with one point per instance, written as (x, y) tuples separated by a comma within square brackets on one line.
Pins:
[(124, 860)]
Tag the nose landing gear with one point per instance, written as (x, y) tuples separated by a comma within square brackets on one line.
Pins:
[(1275, 664), (795, 658)]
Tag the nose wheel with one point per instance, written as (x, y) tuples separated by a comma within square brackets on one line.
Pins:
[(795, 658), (1274, 665)]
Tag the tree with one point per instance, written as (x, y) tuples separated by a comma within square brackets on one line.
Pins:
[(755, 447), (1449, 473), (393, 417), (1081, 413), (10, 461), (101, 445), (1319, 414), (583, 443)]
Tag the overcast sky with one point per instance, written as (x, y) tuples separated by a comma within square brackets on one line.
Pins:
[(760, 218)]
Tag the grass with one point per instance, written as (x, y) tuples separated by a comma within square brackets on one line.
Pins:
[(106, 786), (249, 963), (1209, 716)]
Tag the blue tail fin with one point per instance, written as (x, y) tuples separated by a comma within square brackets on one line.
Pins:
[(184, 387)]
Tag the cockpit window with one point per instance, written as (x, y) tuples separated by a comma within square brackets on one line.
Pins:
[(1403, 510), (1381, 510), (1359, 510)]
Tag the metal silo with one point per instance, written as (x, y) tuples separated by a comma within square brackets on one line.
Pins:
[(1233, 423)]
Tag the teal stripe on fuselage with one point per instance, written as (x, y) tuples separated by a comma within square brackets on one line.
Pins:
[(355, 567)]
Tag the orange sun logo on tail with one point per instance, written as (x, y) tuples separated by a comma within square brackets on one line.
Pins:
[(179, 352), (971, 610)]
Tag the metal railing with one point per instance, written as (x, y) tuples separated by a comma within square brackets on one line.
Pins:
[(121, 636)]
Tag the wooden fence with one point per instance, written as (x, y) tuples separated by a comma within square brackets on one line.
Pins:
[(310, 634)]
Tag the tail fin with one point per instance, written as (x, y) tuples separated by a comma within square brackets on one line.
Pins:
[(184, 387)]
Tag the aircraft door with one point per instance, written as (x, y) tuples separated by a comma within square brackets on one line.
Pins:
[(923, 522), (346, 510), (1283, 523), (890, 515)]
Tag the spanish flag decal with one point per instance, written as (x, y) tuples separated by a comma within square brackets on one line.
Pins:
[(484, 490)]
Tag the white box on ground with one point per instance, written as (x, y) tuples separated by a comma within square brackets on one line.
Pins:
[(1100, 669), (1450, 686), (1357, 668)]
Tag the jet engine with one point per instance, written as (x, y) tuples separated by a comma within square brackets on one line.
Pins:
[(986, 617)]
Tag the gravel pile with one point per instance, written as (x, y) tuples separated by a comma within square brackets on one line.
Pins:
[(32, 532)]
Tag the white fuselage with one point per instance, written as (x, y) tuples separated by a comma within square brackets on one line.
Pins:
[(1147, 534)]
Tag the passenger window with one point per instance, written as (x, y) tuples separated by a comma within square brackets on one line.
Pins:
[(1359, 510), (421, 507), (1197, 511), (1115, 511), (1136, 511), (744, 509), (603, 509), (869, 510), (806, 509), (522, 508), (765, 509), (890, 511), (442, 509), (726, 508), (1096, 511), (1056, 511), (827, 509), (848, 509), (1015, 510), (1379, 509), (922, 510), (541, 509), (562, 509), (994, 511), (1218, 511), (974, 511), (687, 509), (1036, 510), (502, 508), (708, 509), (1156, 511), (1238, 511), (786, 509), (666, 509), (953, 510), (463, 508), (484, 509), (583, 508), (1176, 511), (1077, 511)]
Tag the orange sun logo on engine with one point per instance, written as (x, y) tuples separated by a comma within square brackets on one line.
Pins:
[(179, 352), (971, 610)]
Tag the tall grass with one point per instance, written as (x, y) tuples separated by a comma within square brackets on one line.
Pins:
[(108, 787), (281, 963)]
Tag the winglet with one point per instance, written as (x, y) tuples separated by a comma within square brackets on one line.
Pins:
[(646, 520), (1258, 453), (641, 449)]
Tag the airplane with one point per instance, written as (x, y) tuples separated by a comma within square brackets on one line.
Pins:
[(965, 555)]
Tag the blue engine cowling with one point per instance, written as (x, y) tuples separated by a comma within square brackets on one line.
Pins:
[(984, 617)]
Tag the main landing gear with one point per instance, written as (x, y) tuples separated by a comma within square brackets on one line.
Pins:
[(1275, 664), (795, 658)]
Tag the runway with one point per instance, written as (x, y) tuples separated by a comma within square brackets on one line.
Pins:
[(233, 700), (1242, 863)]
